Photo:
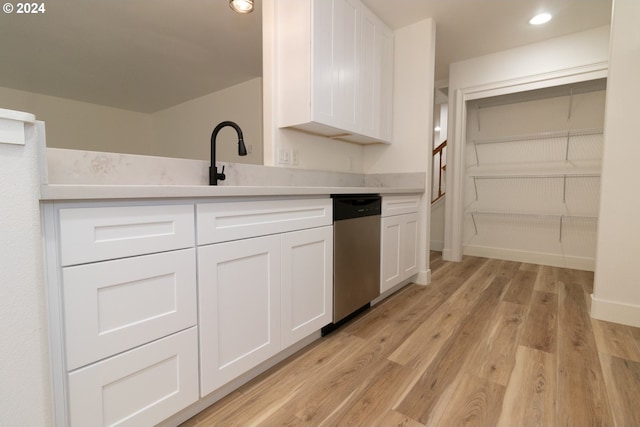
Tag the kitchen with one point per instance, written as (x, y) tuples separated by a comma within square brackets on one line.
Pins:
[(413, 89)]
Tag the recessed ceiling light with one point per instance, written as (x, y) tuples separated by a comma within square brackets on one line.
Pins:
[(241, 6), (540, 19)]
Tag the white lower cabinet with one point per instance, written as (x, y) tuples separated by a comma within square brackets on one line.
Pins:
[(140, 387), (399, 258), (144, 323), (239, 306), (258, 296)]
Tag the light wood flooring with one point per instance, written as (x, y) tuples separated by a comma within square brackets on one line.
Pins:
[(488, 342)]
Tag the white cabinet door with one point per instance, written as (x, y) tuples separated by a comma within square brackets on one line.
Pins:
[(399, 249), (138, 388), (336, 26), (376, 77), (112, 306), (409, 242), (385, 110), (239, 307), (391, 269), (307, 282)]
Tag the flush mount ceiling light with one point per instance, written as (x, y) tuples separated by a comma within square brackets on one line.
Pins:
[(241, 6), (541, 18)]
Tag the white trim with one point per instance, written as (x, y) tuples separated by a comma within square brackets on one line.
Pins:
[(17, 115), (554, 260), (616, 312), (454, 205)]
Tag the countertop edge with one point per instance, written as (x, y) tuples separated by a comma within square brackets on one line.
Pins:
[(105, 192)]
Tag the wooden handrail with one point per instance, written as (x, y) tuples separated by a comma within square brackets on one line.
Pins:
[(441, 169)]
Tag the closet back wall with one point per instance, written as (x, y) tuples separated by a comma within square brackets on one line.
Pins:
[(533, 178)]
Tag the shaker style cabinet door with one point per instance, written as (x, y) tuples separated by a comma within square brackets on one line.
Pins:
[(239, 307), (409, 242), (307, 282), (391, 268)]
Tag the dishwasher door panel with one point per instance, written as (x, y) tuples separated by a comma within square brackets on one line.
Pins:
[(356, 264)]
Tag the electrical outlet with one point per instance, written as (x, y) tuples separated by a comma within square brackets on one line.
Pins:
[(295, 157), (284, 156), (249, 148)]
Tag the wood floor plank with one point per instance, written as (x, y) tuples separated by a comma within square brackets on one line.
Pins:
[(347, 378), (453, 354), (547, 280), (635, 333), (615, 340), (622, 378), (541, 326), (377, 397), (582, 398), (580, 277), (530, 396), (260, 398), (521, 287), (530, 267), (415, 301), (423, 344), (495, 357), (475, 402), (393, 418)]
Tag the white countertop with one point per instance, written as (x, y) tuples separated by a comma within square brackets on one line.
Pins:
[(106, 192)]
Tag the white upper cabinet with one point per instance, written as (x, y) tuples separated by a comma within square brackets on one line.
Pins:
[(335, 70)]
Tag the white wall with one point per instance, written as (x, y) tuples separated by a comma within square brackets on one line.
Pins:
[(184, 130), (84, 126), (617, 278), (25, 398), (575, 57)]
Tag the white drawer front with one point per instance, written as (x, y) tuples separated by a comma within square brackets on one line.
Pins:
[(101, 233), (220, 222), (138, 388), (398, 205), (112, 306)]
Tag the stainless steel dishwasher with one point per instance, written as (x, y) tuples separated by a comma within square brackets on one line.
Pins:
[(356, 255)]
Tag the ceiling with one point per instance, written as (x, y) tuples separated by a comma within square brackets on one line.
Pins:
[(147, 55)]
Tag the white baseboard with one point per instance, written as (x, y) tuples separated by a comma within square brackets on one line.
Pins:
[(436, 245), (447, 255), (423, 277), (616, 312), (553, 260)]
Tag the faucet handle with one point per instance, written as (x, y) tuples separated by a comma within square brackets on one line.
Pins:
[(221, 175)]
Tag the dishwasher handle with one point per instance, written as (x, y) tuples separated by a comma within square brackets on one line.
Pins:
[(356, 206)]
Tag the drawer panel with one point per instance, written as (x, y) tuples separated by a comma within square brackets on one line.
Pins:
[(140, 387), (101, 233), (220, 222), (112, 306), (398, 205)]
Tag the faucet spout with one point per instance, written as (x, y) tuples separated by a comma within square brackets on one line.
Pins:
[(214, 176)]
